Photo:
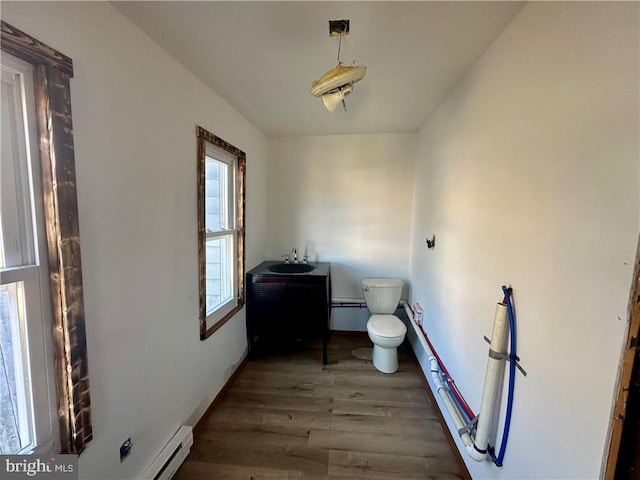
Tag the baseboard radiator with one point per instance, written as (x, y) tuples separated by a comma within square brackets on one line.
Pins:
[(166, 464)]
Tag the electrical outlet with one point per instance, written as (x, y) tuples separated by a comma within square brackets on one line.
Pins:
[(125, 449)]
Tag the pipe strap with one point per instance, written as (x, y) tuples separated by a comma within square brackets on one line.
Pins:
[(498, 356), (506, 356), (522, 370), (469, 427)]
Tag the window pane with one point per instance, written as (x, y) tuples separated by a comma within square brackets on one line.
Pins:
[(16, 420), (15, 220), (216, 203), (218, 271)]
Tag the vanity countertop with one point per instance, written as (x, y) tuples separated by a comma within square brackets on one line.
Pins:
[(321, 270)]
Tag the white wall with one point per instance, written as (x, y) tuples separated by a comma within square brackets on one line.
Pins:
[(528, 173), (135, 111), (343, 199)]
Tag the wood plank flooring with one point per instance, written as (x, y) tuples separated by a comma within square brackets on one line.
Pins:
[(288, 417)]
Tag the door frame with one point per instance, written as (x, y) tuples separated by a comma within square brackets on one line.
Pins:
[(625, 373)]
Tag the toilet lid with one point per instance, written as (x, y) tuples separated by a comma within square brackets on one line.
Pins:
[(386, 326)]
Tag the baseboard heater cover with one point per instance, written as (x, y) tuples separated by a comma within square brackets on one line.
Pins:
[(166, 464)]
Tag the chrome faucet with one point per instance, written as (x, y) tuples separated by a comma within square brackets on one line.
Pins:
[(286, 258), (294, 255)]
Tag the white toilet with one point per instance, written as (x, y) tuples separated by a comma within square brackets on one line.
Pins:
[(386, 331)]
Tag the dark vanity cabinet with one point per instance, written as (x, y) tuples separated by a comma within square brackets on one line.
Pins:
[(284, 307)]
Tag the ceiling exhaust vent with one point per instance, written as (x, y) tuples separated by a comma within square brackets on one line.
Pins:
[(338, 28)]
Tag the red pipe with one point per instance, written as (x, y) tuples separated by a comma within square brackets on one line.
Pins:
[(450, 381)]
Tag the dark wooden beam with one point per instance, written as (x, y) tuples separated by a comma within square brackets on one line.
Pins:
[(53, 105), (24, 46)]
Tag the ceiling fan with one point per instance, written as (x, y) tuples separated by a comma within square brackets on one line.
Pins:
[(337, 83)]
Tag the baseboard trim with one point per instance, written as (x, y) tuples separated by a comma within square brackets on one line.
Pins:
[(452, 444), (221, 394)]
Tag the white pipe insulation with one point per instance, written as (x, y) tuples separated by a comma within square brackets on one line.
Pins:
[(497, 355), (477, 449)]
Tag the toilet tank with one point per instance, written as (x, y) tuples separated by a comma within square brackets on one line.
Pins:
[(382, 294)]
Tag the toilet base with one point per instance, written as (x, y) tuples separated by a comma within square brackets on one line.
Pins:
[(385, 359), (386, 332)]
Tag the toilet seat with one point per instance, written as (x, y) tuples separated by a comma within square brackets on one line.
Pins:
[(387, 326)]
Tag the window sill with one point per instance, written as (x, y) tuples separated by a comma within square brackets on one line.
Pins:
[(224, 319)]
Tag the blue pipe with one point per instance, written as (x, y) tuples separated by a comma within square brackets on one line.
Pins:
[(512, 375), (459, 403)]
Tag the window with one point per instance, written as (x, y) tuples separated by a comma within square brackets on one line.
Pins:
[(221, 178), (52, 72), (26, 359)]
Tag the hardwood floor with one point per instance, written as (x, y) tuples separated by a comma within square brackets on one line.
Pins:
[(289, 417)]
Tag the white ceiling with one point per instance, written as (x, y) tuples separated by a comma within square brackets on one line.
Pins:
[(261, 57)]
